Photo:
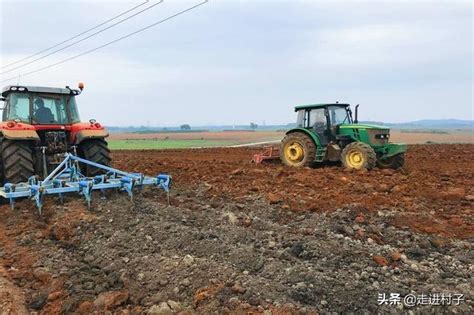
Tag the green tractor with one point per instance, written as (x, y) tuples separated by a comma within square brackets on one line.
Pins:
[(328, 132)]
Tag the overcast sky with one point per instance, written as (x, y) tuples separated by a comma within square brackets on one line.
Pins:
[(233, 62)]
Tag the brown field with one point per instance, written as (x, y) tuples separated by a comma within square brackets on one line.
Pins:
[(240, 238), (239, 137)]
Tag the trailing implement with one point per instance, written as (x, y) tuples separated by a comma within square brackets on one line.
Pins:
[(67, 178), (328, 132)]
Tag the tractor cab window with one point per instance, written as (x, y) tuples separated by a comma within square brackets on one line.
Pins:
[(73, 110), (49, 109), (317, 119), (17, 107), (300, 119), (339, 115)]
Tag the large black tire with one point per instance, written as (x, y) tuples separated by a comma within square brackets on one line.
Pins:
[(358, 155), (17, 161), (95, 150), (297, 150), (395, 162)]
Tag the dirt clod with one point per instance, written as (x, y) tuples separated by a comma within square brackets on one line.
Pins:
[(396, 256), (380, 260), (110, 300)]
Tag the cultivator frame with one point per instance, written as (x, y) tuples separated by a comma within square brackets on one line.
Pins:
[(67, 178), (269, 153)]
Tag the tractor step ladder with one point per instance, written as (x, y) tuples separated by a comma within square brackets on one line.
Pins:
[(66, 178), (320, 153)]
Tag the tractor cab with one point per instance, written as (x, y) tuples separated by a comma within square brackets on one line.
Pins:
[(40, 105), (324, 119)]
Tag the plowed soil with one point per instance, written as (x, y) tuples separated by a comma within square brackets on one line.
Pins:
[(244, 238), (435, 187)]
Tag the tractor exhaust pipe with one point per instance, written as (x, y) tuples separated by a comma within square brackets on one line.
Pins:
[(356, 120)]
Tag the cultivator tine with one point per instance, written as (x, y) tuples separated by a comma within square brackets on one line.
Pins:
[(164, 182), (86, 190), (128, 183), (67, 178), (10, 188), (12, 204), (57, 183)]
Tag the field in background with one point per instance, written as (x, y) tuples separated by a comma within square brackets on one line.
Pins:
[(180, 140), (141, 144), (127, 141)]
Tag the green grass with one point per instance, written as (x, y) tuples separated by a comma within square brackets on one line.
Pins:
[(147, 131), (149, 144)]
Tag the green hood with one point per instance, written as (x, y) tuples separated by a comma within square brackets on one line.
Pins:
[(362, 126)]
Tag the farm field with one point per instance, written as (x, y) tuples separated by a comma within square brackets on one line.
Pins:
[(243, 238), (136, 141), (150, 144)]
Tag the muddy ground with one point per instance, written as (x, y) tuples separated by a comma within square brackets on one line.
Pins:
[(241, 238)]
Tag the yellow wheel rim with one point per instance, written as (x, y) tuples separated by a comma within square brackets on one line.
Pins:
[(355, 159), (294, 152)]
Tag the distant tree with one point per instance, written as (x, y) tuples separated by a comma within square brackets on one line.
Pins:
[(185, 127), (253, 125)]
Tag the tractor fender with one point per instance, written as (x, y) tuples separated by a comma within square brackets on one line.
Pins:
[(90, 134), (312, 135), (18, 131), (20, 135)]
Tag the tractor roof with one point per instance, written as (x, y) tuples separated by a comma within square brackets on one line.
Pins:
[(36, 89), (322, 105)]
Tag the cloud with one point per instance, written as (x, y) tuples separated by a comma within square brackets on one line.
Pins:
[(233, 62)]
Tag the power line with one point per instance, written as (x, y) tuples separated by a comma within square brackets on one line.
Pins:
[(76, 36), (111, 42), (83, 39)]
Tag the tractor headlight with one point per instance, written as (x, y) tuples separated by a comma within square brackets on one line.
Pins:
[(382, 136)]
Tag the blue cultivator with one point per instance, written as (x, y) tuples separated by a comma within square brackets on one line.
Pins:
[(67, 178)]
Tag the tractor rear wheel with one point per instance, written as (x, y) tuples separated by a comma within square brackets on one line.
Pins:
[(17, 161), (395, 162), (358, 155), (297, 150), (97, 151)]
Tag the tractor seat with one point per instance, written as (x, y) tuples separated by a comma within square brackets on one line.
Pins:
[(44, 116)]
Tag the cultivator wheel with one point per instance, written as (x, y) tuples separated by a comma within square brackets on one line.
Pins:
[(97, 151), (297, 149), (394, 162), (17, 161), (358, 155)]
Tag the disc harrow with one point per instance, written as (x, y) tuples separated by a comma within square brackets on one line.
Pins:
[(67, 178)]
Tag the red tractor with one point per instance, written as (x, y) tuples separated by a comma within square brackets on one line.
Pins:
[(39, 125)]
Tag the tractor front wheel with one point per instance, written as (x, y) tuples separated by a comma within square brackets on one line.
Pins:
[(17, 161), (97, 151), (358, 155), (394, 162), (297, 150)]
